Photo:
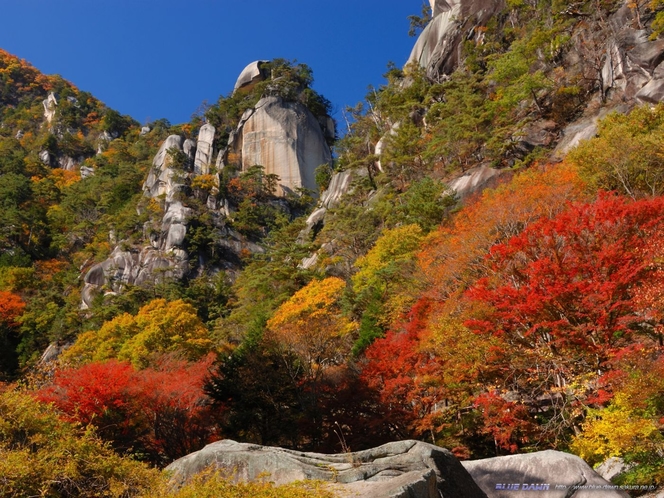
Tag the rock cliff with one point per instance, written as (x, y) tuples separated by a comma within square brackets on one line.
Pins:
[(438, 48), (283, 137)]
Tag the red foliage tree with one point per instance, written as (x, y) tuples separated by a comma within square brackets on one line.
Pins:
[(161, 413), (509, 423), (11, 307), (561, 296), (181, 414), (405, 376), (567, 283)]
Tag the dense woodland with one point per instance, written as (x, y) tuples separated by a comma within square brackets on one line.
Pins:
[(526, 317)]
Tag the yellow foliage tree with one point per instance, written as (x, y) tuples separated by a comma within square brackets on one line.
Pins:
[(311, 325), (386, 271), (158, 327), (616, 431), (41, 455)]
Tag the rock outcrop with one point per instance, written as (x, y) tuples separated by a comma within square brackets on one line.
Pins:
[(50, 105), (340, 184), (162, 178), (404, 469), (567, 476), (204, 150), (250, 75), (475, 180), (283, 137), (165, 255), (438, 48)]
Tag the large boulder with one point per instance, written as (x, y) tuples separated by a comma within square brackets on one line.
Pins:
[(112, 273), (404, 469), (475, 180), (283, 137), (547, 474)]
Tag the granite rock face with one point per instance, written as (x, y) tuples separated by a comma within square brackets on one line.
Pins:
[(161, 178), (567, 475), (204, 150), (340, 184), (50, 105), (475, 180), (164, 257), (283, 137), (250, 75), (438, 48), (404, 469)]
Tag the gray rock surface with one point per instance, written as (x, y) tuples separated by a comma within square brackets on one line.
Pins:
[(204, 150), (382, 143), (285, 138), (174, 226), (475, 180), (113, 273), (404, 469), (561, 471), (45, 157), (250, 75), (102, 141), (144, 130), (611, 468), (340, 184), (583, 128), (87, 172), (68, 163), (50, 105), (189, 148), (438, 47), (161, 179)]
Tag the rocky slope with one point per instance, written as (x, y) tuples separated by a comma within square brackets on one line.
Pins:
[(281, 135)]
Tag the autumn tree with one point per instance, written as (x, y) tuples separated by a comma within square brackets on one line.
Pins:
[(624, 419), (560, 295), (452, 258), (312, 326), (161, 412), (42, 455), (11, 308), (384, 285), (158, 327), (626, 154), (312, 335), (406, 377)]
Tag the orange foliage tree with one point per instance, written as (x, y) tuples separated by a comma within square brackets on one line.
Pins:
[(453, 257), (11, 308)]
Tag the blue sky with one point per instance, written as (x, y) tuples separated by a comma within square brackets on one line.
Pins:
[(161, 59)]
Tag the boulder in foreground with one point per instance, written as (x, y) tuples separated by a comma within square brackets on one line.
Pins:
[(404, 469), (567, 476)]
